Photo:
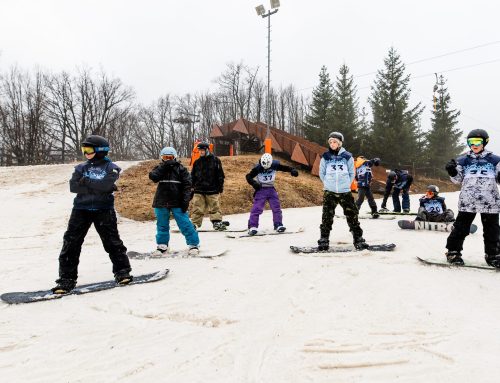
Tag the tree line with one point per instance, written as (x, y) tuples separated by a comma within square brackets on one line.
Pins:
[(45, 116)]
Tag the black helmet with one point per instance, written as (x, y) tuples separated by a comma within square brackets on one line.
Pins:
[(434, 189), (100, 144), (203, 145), (392, 176), (479, 133)]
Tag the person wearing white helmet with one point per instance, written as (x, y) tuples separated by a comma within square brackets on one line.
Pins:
[(172, 197), (262, 178), (336, 170)]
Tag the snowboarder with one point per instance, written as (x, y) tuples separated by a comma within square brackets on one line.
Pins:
[(399, 181), (336, 170), (208, 184), (94, 183), (262, 178), (172, 196), (364, 178), (479, 172), (433, 208)]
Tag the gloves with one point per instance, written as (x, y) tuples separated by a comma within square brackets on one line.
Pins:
[(256, 186), (221, 190), (376, 161), (451, 168), (185, 207), (83, 181), (294, 172), (498, 178)]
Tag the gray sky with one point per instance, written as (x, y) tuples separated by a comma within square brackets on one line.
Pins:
[(166, 46)]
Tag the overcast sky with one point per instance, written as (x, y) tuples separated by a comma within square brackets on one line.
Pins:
[(166, 46)]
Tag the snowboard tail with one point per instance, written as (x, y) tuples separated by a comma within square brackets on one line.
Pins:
[(432, 226), (341, 249), (432, 262), (44, 295), (176, 254)]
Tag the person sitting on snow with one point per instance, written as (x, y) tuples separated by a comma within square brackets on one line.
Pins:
[(433, 208)]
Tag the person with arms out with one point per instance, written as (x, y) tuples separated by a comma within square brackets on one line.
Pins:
[(172, 196), (94, 183), (208, 183), (478, 172), (399, 181), (364, 178), (262, 178), (433, 208), (336, 170)]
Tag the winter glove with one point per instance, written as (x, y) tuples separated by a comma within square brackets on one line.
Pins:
[(185, 207), (498, 178), (294, 172), (221, 190), (191, 195), (256, 186), (451, 168), (83, 181)]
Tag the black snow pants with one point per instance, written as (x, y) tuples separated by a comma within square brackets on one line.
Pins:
[(461, 229), (106, 225), (346, 201), (366, 191)]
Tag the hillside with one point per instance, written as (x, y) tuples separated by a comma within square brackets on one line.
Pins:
[(136, 191)]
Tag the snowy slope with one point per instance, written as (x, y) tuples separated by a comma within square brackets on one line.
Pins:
[(258, 314)]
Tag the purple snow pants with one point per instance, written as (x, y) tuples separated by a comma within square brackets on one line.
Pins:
[(259, 201)]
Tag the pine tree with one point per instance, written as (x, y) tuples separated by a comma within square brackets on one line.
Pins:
[(396, 132), (317, 124), (344, 112), (443, 140)]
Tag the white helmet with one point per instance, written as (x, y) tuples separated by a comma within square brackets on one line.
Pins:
[(266, 160)]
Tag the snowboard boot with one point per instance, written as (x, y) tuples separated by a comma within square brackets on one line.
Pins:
[(454, 257), (375, 213), (253, 231), (383, 209), (360, 244), (279, 227), (323, 244), (64, 286), (406, 210), (493, 260), (194, 250), (123, 277), (160, 250), (219, 225)]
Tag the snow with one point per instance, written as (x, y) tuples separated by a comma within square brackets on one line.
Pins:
[(257, 314)]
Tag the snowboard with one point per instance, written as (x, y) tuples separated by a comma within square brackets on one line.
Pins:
[(449, 265), (340, 249), (369, 216), (433, 226), (44, 295), (214, 231), (395, 213), (176, 254), (263, 233)]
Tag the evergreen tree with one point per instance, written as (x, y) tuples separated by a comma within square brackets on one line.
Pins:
[(344, 112), (396, 132), (443, 140), (363, 135), (317, 124)]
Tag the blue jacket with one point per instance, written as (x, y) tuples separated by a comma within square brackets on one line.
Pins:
[(364, 174), (337, 171), (265, 177), (94, 184), (435, 205)]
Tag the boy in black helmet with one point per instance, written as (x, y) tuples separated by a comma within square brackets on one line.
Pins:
[(399, 181), (207, 177), (479, 172), (94, 183), (433, 208)]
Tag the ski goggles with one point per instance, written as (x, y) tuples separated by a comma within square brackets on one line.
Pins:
[(88, 150), (475, 141), (167, 157)]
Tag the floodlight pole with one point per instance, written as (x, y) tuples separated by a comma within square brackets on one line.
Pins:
[(268, 15)]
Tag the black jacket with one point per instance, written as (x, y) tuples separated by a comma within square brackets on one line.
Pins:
[(94, 183), (207, 175), (174, 185)]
